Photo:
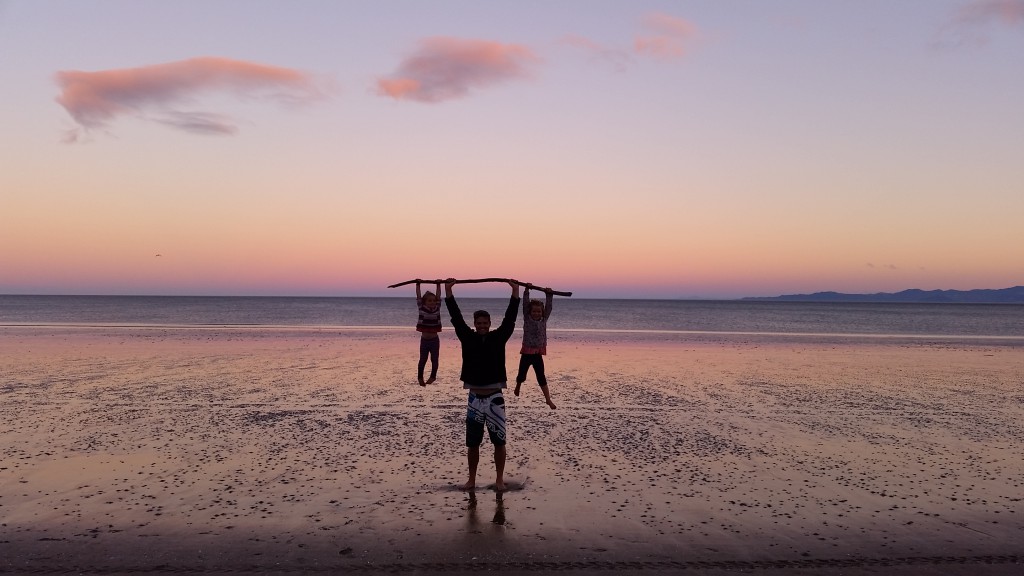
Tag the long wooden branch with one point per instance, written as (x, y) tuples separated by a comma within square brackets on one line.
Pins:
[(480, 281)]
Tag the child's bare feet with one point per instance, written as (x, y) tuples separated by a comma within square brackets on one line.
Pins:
[(422, 383), (471, 485), (431, 380), (552, 404), (516, 391), (499, 486)]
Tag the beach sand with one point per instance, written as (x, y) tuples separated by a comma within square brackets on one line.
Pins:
[(234, 450)]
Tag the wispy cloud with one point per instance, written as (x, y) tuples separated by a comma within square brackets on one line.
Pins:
[(444, 68), (987, 11), (155, 93), (972, 21), (664, 36), (615, 58)]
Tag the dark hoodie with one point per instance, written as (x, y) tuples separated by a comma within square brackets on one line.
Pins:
[(483, 355)]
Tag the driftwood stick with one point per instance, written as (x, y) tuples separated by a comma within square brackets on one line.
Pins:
[(480, 281)]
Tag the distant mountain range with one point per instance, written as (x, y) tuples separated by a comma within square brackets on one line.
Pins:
[(1013, 295)]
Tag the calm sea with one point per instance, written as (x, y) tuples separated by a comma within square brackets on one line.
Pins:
[(1002, 321)]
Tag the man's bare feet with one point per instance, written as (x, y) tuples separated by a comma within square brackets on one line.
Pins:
[(552, 404), (499, 486), (430, 380), (471, 485)]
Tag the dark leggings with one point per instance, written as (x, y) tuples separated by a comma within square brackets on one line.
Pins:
[(431, 347), (535, 360)]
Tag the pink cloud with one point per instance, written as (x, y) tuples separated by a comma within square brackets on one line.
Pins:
[(984, 11), (449, 68), (970, 24), (95, 99), (665, 36)]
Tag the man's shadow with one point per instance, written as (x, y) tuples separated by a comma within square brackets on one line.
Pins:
[(472, 516)]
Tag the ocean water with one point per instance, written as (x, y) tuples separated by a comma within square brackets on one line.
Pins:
[(994, 321)]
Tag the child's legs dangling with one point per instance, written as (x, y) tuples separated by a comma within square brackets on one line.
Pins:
[(424, 352), (538, 368), (434, 349), (524, 365)]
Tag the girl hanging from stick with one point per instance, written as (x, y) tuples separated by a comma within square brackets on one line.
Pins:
[(535, 342), (428, 325)]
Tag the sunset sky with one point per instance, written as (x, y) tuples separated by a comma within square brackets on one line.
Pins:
[(637, 149)]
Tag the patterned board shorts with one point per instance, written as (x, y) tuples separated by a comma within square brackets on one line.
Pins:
[(489, 412)]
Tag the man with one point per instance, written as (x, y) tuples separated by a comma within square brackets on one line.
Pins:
[(483, 374)]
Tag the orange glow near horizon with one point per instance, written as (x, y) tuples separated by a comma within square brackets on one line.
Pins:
[(640, 152)]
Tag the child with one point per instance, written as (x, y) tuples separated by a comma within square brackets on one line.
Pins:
[(428, 325), (535, 342)]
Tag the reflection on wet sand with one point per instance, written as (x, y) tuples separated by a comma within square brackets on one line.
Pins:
[(472, 516), (223, 447)]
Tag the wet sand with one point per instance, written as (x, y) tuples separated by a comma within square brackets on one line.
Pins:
[(149, 450)]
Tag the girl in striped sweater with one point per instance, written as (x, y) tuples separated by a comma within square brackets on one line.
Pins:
[(428, 325)]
